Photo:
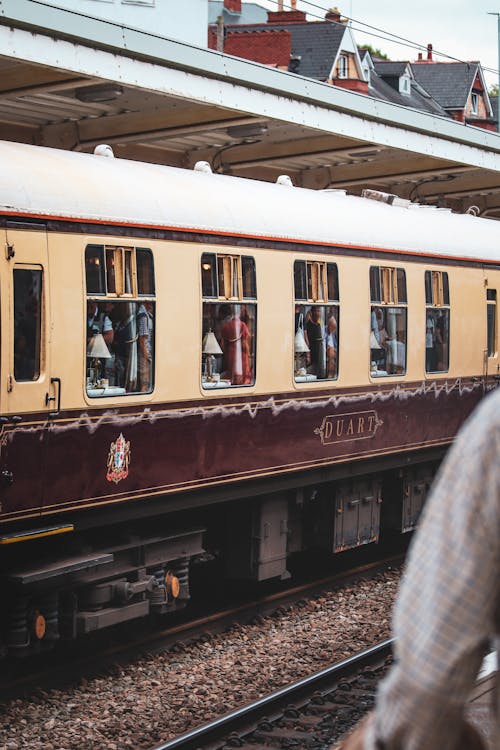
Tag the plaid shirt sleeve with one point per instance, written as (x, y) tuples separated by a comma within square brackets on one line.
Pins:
[(447, 607)]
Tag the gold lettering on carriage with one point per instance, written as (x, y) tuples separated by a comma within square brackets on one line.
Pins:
[(338, 428)]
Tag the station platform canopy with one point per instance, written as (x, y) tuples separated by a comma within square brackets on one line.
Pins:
[(72, 82)]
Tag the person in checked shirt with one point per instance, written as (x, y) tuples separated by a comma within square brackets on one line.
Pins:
[(448, 607)]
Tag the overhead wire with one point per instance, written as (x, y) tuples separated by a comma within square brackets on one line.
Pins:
[(384, 34)]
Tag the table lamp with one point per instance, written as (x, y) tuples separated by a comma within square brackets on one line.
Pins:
[(210, 347), (97, 350), (300, 346)]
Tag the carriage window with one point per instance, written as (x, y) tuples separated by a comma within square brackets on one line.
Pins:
[(229, 321), (388, 326), (316, 321), (27, 323), (120, 327), (145, 273), (94, 270), (437, 321), (491, 317)]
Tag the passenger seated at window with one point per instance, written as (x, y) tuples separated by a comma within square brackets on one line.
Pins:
[(378, 340), (98, 321), (430, 342), (331, 346), (316, 342)]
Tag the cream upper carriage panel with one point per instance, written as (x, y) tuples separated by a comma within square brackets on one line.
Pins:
[(50, 182)]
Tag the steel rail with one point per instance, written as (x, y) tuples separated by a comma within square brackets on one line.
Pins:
[(254, 711)]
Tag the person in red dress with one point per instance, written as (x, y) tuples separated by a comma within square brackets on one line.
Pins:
[(236, 348)]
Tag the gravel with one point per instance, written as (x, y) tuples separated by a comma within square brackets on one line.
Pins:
[(163, 695)]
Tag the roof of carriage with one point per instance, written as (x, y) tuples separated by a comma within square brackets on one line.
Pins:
[(43, 182)]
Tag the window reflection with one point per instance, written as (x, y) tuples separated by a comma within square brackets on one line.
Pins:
[(388, 341), (437, 321), (388, 321), (228, 328), (316, 342), (120, 334), (27, 323), (316, 320), (120, 347), (437, 333), (228, 348)]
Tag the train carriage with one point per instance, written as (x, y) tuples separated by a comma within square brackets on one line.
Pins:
[(194, 363)]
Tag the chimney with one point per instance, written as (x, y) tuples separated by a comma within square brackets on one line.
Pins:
[(420, 57), (333, 15), (220, 34), (429, 53), (286, 16), (233, 6)]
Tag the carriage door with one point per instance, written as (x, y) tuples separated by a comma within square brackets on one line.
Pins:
[(28, 394)]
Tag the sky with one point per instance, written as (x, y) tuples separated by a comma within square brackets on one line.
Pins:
[(460, 28)]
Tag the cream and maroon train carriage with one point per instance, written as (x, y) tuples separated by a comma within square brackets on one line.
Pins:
[(194, 362)]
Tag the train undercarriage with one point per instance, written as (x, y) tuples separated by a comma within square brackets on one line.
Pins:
[(92, 578)]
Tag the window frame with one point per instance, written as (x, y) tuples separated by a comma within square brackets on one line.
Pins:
[(343, 66), (39, 324), (313, 276), (474, 102), (121, 295), (388, 291), (491, 303), (437, 298), (228, 268)]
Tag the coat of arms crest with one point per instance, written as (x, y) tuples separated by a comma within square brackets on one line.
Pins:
[(118, 460)]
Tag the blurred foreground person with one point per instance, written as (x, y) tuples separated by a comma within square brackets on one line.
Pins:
[(448, 607)]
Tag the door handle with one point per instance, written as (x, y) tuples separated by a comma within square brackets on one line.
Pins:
[(49, 398)]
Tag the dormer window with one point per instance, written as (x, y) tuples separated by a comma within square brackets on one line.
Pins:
[(366, 73), (343, 66), (474, 103), (405, 85)]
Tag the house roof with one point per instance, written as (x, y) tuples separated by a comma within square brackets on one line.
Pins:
[(250, 13), (449, 83), (390, 68), (316, 43), (418, 98)]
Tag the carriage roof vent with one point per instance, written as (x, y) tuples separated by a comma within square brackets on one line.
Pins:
[(104, 150), (390, 198), (473, 211), (284, 179), (202, 166)]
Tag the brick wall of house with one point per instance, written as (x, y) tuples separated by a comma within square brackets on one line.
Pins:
[(271, 47), (352, 71), (286, 16), (353, 84), (481, 107)]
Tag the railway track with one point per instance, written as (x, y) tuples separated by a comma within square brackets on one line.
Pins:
[(315, 711)]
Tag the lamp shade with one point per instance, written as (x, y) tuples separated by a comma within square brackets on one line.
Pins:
[(300, 346), (97, 348), (210, 344)]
